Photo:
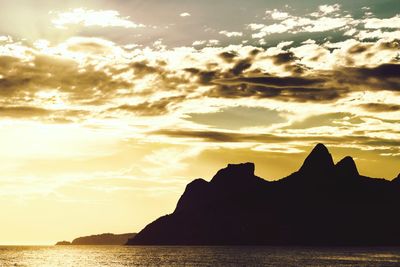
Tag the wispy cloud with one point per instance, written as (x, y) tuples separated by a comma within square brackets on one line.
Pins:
[(185, 14), (231, 34), (88, 17)]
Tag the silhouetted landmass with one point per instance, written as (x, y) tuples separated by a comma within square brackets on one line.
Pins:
[(320, 204), (102, 239), (63, 243)]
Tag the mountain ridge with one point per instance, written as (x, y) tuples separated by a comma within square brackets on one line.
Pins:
[(320, 204)]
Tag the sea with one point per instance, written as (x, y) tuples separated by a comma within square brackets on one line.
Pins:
[(55, 256)]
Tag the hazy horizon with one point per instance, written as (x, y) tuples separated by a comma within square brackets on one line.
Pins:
[(109, 108)]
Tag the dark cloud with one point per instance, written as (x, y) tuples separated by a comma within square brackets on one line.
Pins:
[(47, 115), (228, 56), (381, 71), (22, 80), (142, 69), (243, 81), (359, 48), (268, 80), (241, 66), (204, 77), (156, 108), (234, 137), (288, 60), (283, 88), (391, 45), (380, 107), (283, 58), (220, 136), (233, 84), (299, 94), (327, 86), (255, 52), (23, 112), (382, 77)]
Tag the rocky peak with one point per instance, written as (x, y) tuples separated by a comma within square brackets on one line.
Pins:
[(318, 161), (347, 167)]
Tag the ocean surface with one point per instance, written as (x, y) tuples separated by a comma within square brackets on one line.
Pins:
[(195, 256)]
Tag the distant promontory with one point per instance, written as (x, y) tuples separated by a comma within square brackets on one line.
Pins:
[(101, 239)]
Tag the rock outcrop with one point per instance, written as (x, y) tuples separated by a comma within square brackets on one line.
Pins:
[(320, 204)]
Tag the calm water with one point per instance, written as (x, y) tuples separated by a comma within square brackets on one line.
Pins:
[(195, 256)]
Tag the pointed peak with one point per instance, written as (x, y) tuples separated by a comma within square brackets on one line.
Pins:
[(397, 179), (320, 148), (318, 161), (347, 167)]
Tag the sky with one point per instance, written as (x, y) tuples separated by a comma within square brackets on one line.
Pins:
[(109, 108)]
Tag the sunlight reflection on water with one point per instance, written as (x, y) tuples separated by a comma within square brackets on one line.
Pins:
[(195, 256)]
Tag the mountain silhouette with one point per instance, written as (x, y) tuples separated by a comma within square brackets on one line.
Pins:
[(320, 204)]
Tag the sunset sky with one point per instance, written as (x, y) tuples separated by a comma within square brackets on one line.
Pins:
[(109, 108)]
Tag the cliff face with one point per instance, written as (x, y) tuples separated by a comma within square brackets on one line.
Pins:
[(321, 204)]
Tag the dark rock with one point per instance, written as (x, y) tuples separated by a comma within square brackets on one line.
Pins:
[(347, 167), (321, 204), (319, 161), (397, 179)]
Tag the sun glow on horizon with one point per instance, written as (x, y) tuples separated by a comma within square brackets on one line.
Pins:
[(112, 108)]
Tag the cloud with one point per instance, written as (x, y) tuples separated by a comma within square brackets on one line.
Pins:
[(273, 81), (255, 26), (235, 118), (276, 14), (23, 111), (153, 91), (212, 42), (231, 34), (298, 24), (88, 18), (375, 23), (78, 84), (320, 21), (284, 58), (381, 107), (377, 34), (299, 94), (228, 56), (185, 14), (154, 108), (382, 77), (324, 10), (233, 137), (327, 18)]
